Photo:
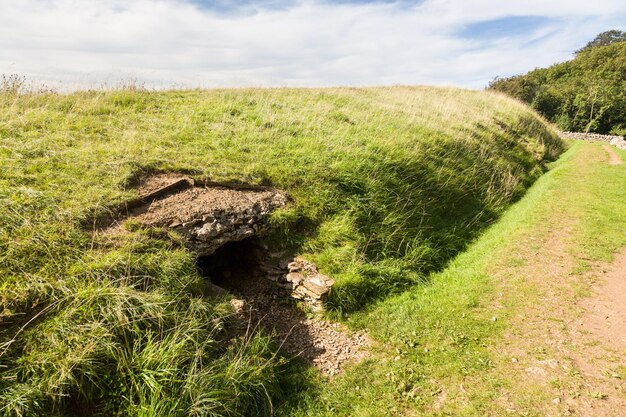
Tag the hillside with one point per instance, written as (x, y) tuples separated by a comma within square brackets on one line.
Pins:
[(527, 321), (385, 185), (585, 94)]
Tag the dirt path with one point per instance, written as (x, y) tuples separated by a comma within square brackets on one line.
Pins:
[(614, 158), (605, 311), (598, 341), (567, 349)]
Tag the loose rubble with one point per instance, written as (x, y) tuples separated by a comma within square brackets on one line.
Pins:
[(210, 217), (325, 345), (307, 283)]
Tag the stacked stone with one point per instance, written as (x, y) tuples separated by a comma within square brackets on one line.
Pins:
[(305, 282), (592, 137), (619, 142), (221, 226)]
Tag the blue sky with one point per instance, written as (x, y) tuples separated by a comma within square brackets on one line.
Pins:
[(201, 43), (510, 26)]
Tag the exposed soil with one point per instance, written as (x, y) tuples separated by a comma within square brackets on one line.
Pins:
[(614, 158), (327, 346), (207, 215), (148, 185), (170, 199), (553, 361), (598, 339), (605, 310), (194, 203), (575, 363)]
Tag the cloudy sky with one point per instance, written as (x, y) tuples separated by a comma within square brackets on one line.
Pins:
[(216, 43)]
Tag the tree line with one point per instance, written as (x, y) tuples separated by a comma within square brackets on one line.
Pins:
[(584, 94)]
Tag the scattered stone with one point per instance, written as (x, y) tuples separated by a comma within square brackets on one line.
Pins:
[(295, 278), (300, 264), (209, 217), (325, 345), (237, 305)]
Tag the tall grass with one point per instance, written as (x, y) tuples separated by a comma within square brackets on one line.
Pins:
[(388, 184)]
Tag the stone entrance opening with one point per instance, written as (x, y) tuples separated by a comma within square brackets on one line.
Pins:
[(233, 263), (224, 226)]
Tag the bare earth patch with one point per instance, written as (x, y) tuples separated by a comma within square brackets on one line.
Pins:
[(560, 355), (195, 203), (173, 199), (572, 363), (326, 345), (148, 185), (614, 158), (605, 311), (207, 215)]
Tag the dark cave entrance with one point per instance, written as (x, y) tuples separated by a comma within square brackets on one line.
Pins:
[(233, 264)]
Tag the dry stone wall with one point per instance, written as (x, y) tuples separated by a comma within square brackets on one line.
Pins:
[(591, 137), (617, 141)]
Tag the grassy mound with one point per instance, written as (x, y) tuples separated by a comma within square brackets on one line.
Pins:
[(388, 184), (462, 345)]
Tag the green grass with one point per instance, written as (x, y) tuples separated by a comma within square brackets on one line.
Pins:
[(442, 337), (388, 185)]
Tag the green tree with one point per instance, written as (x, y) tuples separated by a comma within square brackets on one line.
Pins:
[(604, 39), (585, 94)]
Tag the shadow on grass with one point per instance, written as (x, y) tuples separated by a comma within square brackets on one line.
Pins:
[(435, 211)]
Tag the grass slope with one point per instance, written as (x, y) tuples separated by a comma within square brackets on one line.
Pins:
[(443, 354), (388, 185)]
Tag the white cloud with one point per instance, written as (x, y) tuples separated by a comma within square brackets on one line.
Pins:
[(309, 43)]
